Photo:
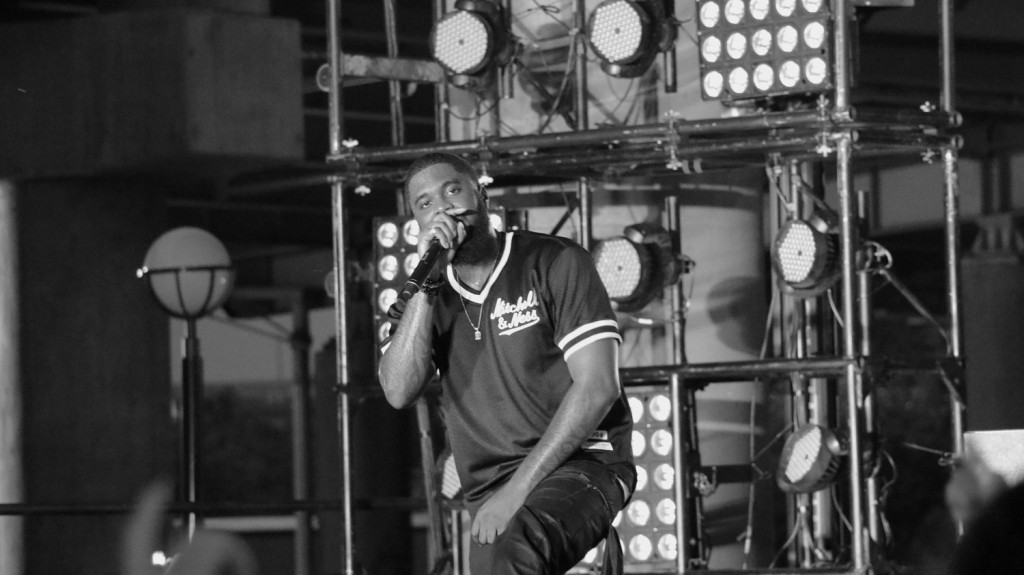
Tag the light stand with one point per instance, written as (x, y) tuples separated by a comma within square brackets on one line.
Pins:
[(190, 275)]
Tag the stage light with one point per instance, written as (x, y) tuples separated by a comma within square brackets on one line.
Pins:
[(471, 42), (771, 48), (640, 548), (387, 234), (636, 266), (806, 254), (810, 459), (387, 268), (638, 512), (651, 515), (628, 34), (410, 232)]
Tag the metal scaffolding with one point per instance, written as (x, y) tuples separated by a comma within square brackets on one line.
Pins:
[(833, 130)]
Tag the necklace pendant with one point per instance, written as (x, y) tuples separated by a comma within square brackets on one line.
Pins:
[(476, 335)]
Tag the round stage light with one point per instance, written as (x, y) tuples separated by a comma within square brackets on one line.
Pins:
[(641, 477), (713, 84), (787, 38), (789, 73), (636, 408), (640, 548), (638, 512), (711, 49), (660, 407), (710, 12), (816, 70), (785, 8), (411, 261), (810, 459), (668, 547), (383, 331), (638, 443), (618, 31), (739, 81), (735, 10), (764, 77), (759, 9), (411, 232), (814, 35), (497, 222), (386, 298), (461, 42), (736, 45), (761, 41), (387, 234), (812, 6), (620, 264), (664, 476), (665, 511), (661, 442), (387, 268), (805, 257)]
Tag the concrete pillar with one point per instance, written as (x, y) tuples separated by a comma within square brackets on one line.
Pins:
[(11, 434), (93, 356)]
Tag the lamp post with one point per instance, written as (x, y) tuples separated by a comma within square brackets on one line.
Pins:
[(189, 273)]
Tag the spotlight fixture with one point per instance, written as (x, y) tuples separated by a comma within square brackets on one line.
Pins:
[(628, 34), (805, 254), (810, 459), (471, 43), (635, 266), (763, 48)]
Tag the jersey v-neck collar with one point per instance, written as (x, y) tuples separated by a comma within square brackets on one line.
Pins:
[(469, 294)]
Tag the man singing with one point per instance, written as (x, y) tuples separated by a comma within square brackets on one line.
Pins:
[(519, 328)]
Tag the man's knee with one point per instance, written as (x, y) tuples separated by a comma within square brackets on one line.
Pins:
[(526, 545)]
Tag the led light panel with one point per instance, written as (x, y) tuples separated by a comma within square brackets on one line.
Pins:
[(763, 48)]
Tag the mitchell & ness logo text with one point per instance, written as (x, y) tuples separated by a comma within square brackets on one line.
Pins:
[(523, 314)]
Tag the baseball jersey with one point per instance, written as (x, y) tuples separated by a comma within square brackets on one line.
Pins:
[(542, 302)]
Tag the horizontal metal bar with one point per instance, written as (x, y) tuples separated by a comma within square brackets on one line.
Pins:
[(68, 509), (696, 374)]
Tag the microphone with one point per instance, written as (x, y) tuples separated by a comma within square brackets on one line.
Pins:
[(422, 270)]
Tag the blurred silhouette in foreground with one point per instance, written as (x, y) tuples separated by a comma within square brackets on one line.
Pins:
[(993, 516), (209, 552)]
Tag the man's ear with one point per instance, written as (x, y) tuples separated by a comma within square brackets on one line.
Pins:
[(483, 192)]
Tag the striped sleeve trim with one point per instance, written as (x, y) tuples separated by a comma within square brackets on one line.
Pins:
[(587, 334)]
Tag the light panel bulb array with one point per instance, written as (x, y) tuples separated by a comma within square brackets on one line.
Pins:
[(395, 257), (647, 526), (760, 48)]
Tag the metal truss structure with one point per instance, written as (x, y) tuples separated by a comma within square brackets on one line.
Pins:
[(833, 131)]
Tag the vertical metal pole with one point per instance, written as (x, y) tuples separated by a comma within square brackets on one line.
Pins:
[(683, 534), (953, 284), (952, 227), (848, 241), (842, 52), (300, 429), (440, 90), (340, 289), (582, 118), (191, 396), (394, 86), (676, 295), (864, 324), (946, 50)]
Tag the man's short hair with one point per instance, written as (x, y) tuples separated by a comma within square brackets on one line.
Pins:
[(423, 162)]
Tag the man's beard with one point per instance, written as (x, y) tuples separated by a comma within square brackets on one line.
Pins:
[(477, 248)]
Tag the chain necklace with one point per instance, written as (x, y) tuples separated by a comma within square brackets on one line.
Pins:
[(480, 315), (479, 318)]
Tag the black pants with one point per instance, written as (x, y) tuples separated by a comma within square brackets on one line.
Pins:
[(568, 513)]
